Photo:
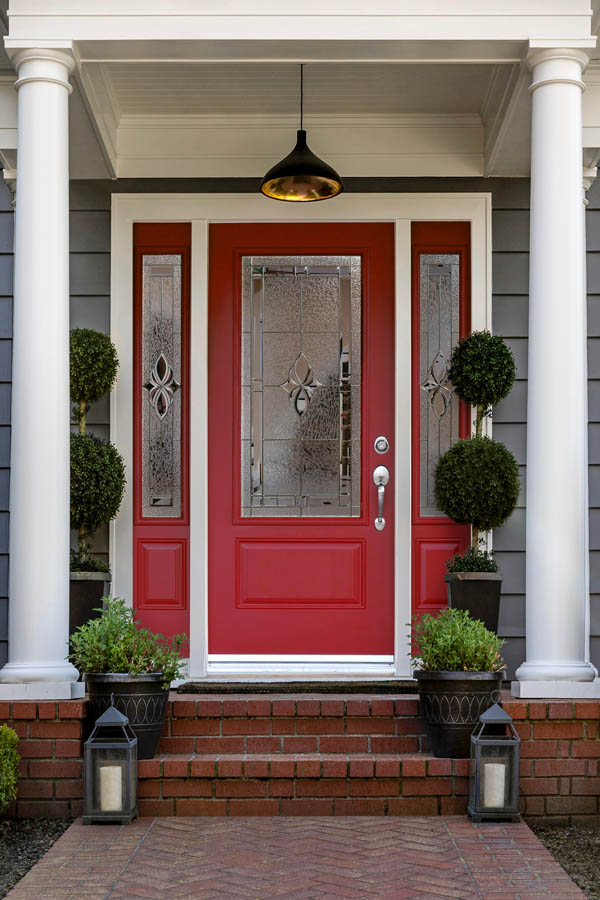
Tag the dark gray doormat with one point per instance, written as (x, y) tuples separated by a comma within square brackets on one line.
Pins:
[(298, 687)]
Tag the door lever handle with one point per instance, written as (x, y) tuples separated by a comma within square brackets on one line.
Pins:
[(381, 477)]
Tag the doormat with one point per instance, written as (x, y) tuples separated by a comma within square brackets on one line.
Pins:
[(407, 686)]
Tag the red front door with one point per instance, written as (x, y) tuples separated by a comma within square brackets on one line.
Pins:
[(441, 303), (301, 383)]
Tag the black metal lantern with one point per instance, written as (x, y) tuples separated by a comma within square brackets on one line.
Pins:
[(495, 760), (110, 770), (301, 176)]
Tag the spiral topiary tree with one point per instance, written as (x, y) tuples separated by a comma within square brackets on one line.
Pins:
[(97, 468), (477, 479)]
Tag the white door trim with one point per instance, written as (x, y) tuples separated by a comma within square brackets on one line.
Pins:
[(201, 210)]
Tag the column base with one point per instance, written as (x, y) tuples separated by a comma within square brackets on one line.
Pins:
[(559, 690), (49, 672), (43, 690), (556, 670)]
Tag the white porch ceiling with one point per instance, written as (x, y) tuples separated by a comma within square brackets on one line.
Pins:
[(273, 88)]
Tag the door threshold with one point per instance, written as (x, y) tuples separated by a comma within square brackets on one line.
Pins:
[(294, 666)]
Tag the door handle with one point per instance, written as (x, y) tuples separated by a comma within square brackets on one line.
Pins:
[(381, 477)]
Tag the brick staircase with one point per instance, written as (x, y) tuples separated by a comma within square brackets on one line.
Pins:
[(298, 755)]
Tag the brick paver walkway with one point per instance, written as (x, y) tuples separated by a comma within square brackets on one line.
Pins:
[(298, 859)]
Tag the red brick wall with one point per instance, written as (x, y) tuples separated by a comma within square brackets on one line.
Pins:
[(51, 751), (235, 758)]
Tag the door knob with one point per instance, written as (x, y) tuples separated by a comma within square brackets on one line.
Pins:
[(381, 477)]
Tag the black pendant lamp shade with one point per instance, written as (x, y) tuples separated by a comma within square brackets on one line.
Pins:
[(301, 176)]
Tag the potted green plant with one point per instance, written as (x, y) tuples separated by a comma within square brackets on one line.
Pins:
[(477, 479), (458, 668), (97, 471), (119, 658)]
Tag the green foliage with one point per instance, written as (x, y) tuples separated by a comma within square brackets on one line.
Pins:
[(115, 643), (482, 369), (472, 561), (97, 485), (9, 766), (94, 365), (454, 642), (477, 483), (83, 561)]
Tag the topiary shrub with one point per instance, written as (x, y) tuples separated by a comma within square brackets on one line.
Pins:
[(477, 479), (482, 371), (93, 369), (97, 469), (9, 766)]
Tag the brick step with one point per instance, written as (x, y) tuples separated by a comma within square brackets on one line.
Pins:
[(302, 784), (318, 724)]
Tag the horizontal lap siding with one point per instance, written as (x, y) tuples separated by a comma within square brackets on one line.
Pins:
[(6, 287), (593, 308), (90, 304)]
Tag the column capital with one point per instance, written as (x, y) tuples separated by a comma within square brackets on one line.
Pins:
[(557, 65), (544, 54), (43, 64)]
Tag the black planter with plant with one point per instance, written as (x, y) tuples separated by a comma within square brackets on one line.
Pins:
[(458, 668), (132, 664), (97, 472), (477, 479)]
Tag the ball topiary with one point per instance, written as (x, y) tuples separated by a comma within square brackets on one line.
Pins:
[(97, 485), (482, 370), (93, 368), (477, 483)]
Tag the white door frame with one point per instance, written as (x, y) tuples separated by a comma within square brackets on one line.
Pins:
[(202, 210)]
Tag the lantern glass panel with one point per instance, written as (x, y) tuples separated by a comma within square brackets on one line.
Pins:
[(496, 773), (111, 769)]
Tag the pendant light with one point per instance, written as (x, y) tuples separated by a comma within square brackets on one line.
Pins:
[(301, 176)]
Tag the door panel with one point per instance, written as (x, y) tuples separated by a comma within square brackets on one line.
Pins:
[(301, 381), (441, 303), (161, 391)]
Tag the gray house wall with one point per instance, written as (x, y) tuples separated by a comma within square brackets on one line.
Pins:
[(90, 307)]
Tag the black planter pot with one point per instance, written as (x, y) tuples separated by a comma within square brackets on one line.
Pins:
[(85, 593), (478, 593), (140, 697), (450, 705)]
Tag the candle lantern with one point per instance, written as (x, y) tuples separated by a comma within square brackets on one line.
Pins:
[(495, 757), (110, 770)]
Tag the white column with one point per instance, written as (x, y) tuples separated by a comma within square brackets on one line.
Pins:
[(557, 502), (39, 478)]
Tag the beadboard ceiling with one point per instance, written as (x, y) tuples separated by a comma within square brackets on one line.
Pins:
[(189, 88)]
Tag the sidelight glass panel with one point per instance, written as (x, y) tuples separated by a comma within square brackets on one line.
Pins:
[(439, 298), (161, 383), (300, 392)]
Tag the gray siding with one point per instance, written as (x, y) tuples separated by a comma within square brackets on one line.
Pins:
[(6, 270)]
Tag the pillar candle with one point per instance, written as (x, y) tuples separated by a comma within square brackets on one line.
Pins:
[(494, 775), (111, 781)]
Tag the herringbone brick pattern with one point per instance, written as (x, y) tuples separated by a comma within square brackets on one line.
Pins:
[(298, 859)]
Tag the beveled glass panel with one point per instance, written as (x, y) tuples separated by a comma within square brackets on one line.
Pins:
[(161, 383), (301, 349), (439, 276)]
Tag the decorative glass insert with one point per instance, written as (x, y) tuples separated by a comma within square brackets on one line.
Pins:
[(439, 298), (161, 383), (301, 363)]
